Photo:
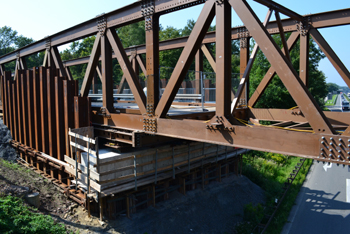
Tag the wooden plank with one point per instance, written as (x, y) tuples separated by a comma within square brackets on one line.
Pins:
[(84, 149), (86, 139), (94, 175)]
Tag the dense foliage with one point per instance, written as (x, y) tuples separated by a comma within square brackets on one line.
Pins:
[(15, 217), (276, 95), (10, 41), (270, 171)]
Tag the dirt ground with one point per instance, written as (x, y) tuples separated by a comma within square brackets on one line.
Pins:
[(216, 209)]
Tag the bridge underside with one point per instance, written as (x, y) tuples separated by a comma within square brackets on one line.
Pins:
[(40, 105)]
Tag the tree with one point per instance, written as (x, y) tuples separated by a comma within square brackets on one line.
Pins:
[(10, 41), (331, 87), (8, 38), (276, 95)]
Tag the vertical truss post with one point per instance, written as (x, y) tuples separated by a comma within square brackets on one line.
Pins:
[(198, 70), (304, 58), (223, 58), (107, 74), (244, 58), (2, 69), (152, 55)]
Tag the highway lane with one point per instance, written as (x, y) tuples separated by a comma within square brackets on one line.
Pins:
[(323, 203)]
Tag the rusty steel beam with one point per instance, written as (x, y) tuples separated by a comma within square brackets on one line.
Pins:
[(91, 68), (141, 64), (58, 62), (292, 40), (223, 58), (249, 66), (37, 110), (283, 37), (304, 58), (302, 144), (152, 65), (30, 109), (122, 81), (125, 64), (320, 20), (106, 75), (209, 55), (194, 41), (284, 69), (117, 18), (277, 7), (198, 70)]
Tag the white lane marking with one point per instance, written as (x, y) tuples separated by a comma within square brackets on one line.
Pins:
[(348, 190), (326, 166)]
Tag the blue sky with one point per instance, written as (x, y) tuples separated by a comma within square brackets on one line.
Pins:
[(40, 18)]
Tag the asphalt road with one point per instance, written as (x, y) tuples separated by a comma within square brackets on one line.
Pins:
[(338, 102), (323, 203)]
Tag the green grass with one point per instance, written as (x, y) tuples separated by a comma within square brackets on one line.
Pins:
[(332, 101), (346, 97), (270, 171), (15, 217)]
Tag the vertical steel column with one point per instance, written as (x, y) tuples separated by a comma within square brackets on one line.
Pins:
[(14, 109), (223, 58), (43, 105), (107, 74), (37, 110), (24, 108), (152, 62), (198, 70), (59, 121), (9, 102), (68, 94), (7, 76), (244, 58), (50, 73), (4, 99), (304, 58), (30, 108), (18, 93)]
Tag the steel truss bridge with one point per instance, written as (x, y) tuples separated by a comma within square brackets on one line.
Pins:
[(40, 105)]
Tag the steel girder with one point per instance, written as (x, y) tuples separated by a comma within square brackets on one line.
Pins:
[(223, 128)]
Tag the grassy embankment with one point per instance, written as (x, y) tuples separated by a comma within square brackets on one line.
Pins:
[(332, 101), (270, 171), (18, 217)]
